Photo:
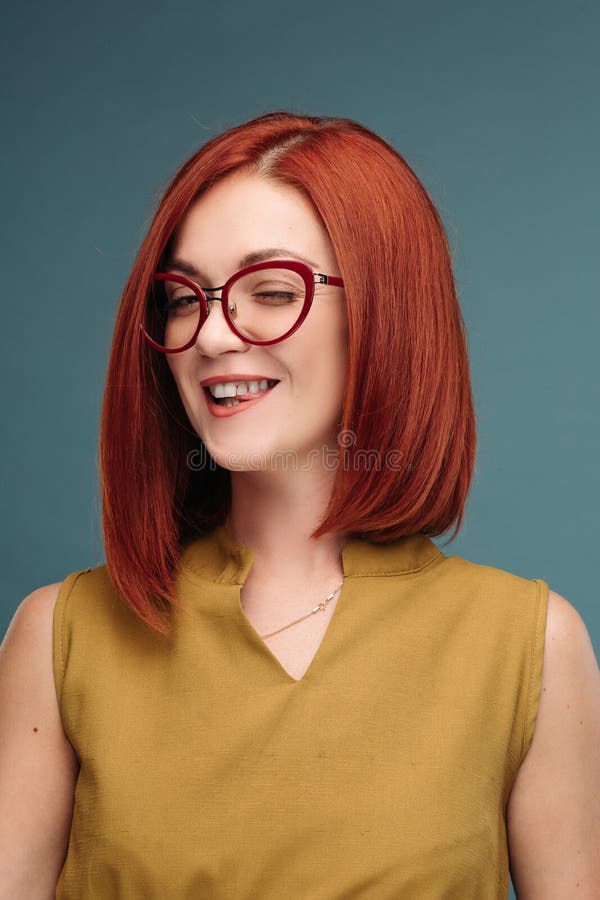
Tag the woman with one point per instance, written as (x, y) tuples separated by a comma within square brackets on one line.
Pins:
[(279, 685)]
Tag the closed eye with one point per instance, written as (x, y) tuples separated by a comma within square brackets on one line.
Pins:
[(282, 296), (181, 304)]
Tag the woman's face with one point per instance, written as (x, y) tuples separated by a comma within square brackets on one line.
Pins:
[(243, 214)]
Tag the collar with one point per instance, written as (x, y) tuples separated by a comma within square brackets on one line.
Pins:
[(218, 557)]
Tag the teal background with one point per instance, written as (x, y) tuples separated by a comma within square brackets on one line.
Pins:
[(493, 105)]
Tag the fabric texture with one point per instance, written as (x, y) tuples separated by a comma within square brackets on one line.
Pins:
[(208, 773)]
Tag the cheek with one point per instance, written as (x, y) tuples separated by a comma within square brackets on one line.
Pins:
[(179, 368), (337, 359), (183, 387), (175, 375), (325, 371)]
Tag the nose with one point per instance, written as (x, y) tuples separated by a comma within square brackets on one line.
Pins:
[(216, 336)]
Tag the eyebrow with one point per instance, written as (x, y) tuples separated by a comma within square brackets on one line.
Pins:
[(249, 259)]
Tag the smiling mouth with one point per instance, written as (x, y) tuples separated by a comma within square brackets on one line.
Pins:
[(240, 398)]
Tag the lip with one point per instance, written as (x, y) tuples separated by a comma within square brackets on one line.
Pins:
[(223, 412), (235, 376)]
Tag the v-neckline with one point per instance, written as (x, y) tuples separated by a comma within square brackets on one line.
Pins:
[(218, 557), (316, 655)]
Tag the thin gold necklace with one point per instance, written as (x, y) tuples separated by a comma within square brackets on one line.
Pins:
[(320, 605)]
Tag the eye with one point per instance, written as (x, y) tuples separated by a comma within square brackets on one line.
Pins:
[(275, 297), (181, 305)]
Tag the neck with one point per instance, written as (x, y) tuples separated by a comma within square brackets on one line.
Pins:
[(274, 513)]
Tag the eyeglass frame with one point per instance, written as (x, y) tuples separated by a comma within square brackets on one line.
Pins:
[(300, 268)]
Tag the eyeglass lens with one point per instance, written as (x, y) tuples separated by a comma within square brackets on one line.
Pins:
[(263, 305)]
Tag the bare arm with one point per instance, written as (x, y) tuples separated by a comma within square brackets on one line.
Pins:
[(554, 806), (38, 767)]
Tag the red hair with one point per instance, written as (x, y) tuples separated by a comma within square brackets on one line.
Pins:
[(408, 397)]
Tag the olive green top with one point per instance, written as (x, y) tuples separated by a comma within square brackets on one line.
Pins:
[(207, 771)]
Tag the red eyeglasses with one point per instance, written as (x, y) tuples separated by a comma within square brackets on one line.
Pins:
[(263, 304)]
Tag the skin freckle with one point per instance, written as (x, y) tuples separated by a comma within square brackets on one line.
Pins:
[(35, 729)]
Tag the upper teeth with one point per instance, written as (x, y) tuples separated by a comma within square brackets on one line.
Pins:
[(231, 389)]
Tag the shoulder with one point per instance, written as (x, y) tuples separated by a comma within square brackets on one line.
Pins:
[(564, 623), (570, 673), (488, 591), (571, 677), (554, 806), (39, 602), (482, 575), (27, 689), (26, 650), (33, 617), (32, 620)]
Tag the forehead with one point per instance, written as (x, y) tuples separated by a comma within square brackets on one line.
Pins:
[(246, 212)]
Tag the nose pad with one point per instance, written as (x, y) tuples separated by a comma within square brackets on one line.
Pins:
[(232, 307), (210, 341)]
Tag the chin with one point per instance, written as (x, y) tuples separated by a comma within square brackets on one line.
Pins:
[(254, 459), (278, 454)]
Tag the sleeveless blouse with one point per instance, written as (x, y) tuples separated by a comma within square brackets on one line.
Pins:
[(207, 772)]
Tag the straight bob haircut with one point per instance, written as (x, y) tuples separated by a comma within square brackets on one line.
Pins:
[(407, 435)]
